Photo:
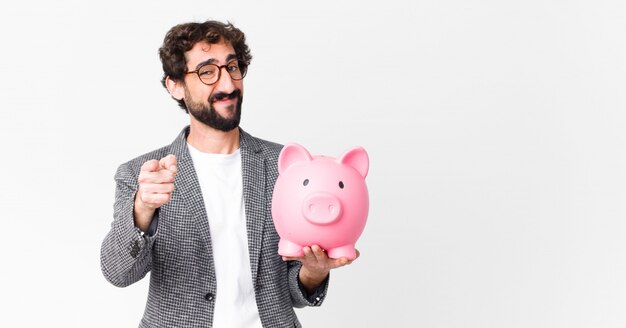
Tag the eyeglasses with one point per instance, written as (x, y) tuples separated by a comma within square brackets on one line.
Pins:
[(211, 73)]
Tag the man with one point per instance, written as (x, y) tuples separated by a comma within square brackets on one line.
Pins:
[(197, 213)]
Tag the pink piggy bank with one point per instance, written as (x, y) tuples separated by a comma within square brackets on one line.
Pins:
[(320, 200)]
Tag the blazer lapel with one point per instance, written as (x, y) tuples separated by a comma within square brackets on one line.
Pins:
[(253, 173), (188, 186)]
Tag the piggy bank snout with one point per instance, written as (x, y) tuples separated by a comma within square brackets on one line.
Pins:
[(321, 208)]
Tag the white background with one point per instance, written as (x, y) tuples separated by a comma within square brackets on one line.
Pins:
[(495, 131)]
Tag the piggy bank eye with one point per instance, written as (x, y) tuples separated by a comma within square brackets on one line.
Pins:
[(305, 182), (341, 184)]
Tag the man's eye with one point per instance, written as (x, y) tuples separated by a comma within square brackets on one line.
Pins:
[(207, 72), (233, 68)]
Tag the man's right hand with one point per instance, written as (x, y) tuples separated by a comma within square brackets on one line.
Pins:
[(156, 183)]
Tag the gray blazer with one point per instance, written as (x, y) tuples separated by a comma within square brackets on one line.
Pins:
[(179, 255)]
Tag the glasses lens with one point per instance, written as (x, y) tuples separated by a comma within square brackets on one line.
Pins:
[(208, 73), (234, 70)]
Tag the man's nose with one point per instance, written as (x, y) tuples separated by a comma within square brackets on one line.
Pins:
[(225, 83)]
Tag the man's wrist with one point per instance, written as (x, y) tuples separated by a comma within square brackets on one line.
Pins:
[(312, 280), (142, 214)]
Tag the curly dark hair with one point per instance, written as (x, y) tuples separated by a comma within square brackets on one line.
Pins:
[(181, 38)]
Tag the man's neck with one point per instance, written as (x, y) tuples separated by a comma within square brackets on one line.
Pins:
[(209, 140)]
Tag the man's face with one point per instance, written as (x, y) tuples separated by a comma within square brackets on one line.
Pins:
[(217, 105)]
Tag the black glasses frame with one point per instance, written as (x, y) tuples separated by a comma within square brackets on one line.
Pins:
[(219, 72)]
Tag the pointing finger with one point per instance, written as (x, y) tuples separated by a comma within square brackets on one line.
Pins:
[(150, 166), (168, 162)]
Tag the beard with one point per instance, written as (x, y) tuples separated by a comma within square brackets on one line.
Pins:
[(209, 116)]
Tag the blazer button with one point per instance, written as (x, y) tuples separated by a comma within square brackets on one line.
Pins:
[(209, 297), (134, 248)]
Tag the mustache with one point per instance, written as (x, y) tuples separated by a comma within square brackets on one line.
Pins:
[(222, 95)]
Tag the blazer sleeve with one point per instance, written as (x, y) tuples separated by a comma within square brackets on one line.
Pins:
[(125, 256), (299, 296)]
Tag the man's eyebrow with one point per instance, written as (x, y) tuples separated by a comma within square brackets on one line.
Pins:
[(212, 60), (208, 61), (231, 57)]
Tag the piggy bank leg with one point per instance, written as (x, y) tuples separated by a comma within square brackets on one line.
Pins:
[(290, 249), (347, 251)]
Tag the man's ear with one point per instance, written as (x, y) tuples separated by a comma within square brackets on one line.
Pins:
[(175, 88)]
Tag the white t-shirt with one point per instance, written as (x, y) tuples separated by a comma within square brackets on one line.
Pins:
[(221, 183)]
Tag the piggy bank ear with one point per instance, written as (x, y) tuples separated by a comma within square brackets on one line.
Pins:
[(292, 153), (356, 158)]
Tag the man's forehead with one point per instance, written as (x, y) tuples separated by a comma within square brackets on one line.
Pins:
[(204, 51)]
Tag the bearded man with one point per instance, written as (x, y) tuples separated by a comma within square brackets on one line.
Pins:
[(196, 214)]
